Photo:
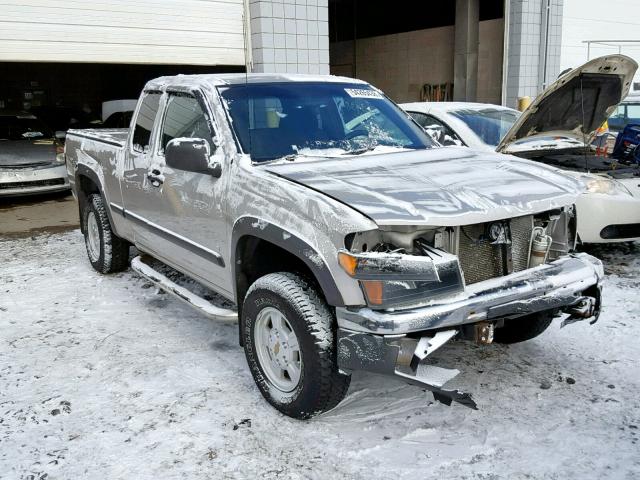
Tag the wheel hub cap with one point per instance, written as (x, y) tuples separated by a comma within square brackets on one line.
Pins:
[(277, 349), (93, 237)]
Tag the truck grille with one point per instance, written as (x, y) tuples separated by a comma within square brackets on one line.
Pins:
[(480, 260)]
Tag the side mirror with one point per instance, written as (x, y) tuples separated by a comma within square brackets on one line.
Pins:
[(61, 134), (191, 155)]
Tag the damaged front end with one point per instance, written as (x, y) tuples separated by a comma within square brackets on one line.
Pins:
[(424, 287)]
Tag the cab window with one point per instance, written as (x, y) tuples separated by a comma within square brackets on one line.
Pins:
[(144, 121), (184, 118)]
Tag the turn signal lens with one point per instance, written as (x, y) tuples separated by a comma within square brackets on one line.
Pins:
[(373, 289), (348, 263)]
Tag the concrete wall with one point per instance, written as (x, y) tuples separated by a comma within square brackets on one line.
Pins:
[(290, 36), (490, 55), (400, 64)]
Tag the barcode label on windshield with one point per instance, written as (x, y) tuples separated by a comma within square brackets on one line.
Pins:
[(362, 93)]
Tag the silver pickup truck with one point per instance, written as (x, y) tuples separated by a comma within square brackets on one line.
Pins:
[(346, 239)]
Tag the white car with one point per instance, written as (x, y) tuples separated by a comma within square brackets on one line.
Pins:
[(551, 131)]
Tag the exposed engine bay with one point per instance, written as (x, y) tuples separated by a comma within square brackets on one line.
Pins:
[(581, 160), (484, 251)]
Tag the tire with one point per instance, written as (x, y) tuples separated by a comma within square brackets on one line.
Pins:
[(523, 328), (107, 252), (320, 386)]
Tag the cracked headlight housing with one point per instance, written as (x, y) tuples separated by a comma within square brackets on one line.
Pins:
[(392, 280)]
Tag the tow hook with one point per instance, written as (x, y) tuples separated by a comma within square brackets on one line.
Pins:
[(585, 308), (483, 333)]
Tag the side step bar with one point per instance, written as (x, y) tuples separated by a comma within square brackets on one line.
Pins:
[(140, 265)]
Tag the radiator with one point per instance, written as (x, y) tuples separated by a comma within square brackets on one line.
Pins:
[(480, 260)]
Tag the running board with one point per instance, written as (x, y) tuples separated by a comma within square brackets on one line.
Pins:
[(141, 266)]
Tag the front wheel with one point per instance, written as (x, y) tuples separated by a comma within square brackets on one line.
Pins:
[(107, 252), (289, 343)]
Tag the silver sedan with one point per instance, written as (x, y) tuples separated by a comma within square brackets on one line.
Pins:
[(31, 158)]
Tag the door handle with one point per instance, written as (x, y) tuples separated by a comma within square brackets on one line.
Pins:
[(156, 177)]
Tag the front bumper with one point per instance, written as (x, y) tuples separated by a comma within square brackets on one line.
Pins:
[(378, 341), (29, 181), (554, 285), (608, 218)]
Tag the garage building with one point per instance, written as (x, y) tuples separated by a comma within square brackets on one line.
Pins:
[(79, 53)]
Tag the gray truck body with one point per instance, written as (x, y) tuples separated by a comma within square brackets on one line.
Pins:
[(317, 206)]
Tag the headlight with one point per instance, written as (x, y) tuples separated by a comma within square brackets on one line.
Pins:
[(392, 279), (606, 186), (60, 158)]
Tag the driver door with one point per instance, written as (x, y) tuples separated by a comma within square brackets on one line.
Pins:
[(186, 212)]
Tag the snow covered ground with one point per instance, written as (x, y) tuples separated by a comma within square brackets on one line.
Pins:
[(104, 377)]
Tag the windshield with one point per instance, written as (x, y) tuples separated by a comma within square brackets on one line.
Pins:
[(275, 120), (490, 124), (22, 128)]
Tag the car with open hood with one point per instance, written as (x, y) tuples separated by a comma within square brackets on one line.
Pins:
[(557, 130), (336, 232)]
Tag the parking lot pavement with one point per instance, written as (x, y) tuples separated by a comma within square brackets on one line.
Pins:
[(25, 216), (105, 377)]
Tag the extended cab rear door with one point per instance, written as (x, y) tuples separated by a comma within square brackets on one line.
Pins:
[(136, 162)]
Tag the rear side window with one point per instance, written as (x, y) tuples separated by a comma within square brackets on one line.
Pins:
[(440, 132), (184, 119), (144, 121)]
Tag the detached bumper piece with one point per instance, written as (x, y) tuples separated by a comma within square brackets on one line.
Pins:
[(401, 357)]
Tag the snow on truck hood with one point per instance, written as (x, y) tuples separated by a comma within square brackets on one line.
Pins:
[(573, 107), (436, 187)]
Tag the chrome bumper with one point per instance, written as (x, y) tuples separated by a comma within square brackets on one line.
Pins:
[(559, 284), (29, 181)]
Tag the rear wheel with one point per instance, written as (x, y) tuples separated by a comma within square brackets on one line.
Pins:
[(523, 328), (107, 252), (289, 343)]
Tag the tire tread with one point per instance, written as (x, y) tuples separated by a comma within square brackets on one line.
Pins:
[(333, 384)]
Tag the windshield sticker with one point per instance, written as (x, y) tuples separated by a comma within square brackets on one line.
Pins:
[(362, 93)]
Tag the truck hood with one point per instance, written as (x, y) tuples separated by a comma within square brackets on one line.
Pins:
[(437, 187), (27, 153), (573, 107)]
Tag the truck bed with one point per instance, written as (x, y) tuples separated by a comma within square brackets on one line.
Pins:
[(112, 136)]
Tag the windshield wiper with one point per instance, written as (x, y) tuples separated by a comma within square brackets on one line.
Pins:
[(360, 151)]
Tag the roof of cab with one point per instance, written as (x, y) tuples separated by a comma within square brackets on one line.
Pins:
[(214, 80)]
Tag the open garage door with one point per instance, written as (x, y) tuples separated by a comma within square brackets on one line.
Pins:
[(179, 32)]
